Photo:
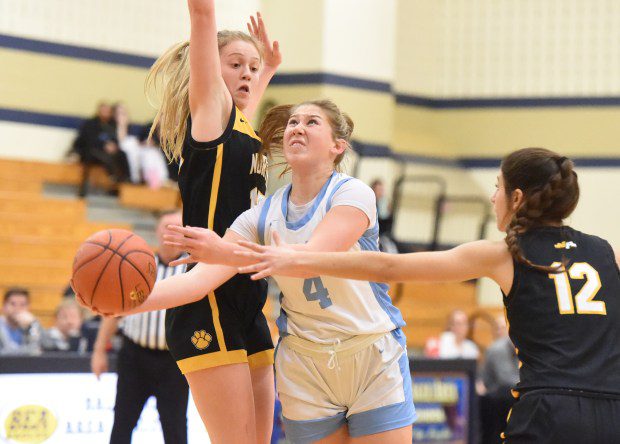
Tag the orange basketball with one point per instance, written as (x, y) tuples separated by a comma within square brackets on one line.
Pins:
[(113, 271)]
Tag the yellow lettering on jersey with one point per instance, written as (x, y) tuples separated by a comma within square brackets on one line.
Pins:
[(584, 299), (259, 164)]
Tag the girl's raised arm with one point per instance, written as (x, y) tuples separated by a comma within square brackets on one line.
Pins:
[(209, 100)]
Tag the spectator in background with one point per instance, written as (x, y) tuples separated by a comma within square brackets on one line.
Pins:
[(20, 332), (97, 144), (500, 370), (65, 335), (453, 343), (146, 160), (127, 142), (384, 216), (155, 169), (90, 322), (384, 208), (90, 328), (171, 165), (498, 374)]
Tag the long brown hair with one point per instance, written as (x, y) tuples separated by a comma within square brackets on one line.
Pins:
[(167, 89), (550, 194), (272, 128)]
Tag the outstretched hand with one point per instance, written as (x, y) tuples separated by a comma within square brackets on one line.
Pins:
[(201, 244), (258, 30), (270, 260)]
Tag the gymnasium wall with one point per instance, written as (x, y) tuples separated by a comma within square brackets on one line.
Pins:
[(489, 77), (60, 57)]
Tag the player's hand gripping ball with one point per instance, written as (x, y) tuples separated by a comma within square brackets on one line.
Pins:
[(113, 271)]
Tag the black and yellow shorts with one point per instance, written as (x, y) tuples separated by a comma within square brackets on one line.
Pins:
[(560, 416), (225, 327)]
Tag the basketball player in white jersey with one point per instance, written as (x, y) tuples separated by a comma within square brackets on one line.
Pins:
[(342, 371)]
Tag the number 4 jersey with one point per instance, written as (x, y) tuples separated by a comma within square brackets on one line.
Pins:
[(566, 326), (323, 308)]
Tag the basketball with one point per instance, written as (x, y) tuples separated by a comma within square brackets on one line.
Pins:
[(113, 271)]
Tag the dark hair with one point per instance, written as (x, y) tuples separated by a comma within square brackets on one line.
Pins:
[(15, 290), (550, 194)]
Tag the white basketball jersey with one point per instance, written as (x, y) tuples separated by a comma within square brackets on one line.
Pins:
[(324, 308)]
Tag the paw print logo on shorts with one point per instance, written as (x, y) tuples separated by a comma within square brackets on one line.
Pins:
[(201, 339)]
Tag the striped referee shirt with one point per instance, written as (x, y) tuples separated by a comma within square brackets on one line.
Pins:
[(148, 329)]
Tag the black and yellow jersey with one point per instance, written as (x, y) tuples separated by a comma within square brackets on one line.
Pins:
[(566, 326), (221, 179)]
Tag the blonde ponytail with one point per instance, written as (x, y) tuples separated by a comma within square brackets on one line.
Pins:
[(168, 80)]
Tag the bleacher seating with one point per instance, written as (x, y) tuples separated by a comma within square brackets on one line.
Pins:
[(425, 307), (39, 234), (145, 198)]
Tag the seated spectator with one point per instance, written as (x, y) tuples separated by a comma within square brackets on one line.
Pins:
[(89, 330), (97, 144), (498, 374), (65, 335), (20, 332), (147, 163), (90, 322), (127, 142), (155, 168), (384, 210), (384, 216), (453, 343)]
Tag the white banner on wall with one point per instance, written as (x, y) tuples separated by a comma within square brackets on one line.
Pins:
[(74, 408)]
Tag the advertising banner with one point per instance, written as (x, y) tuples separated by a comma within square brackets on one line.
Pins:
[(442, 403), (74, 408)]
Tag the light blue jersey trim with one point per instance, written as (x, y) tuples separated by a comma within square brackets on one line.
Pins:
[(388, 417), (304, 220), (309, 431), (370, 242), (261, 220), (331, 195), (282, 319), (372, 232)]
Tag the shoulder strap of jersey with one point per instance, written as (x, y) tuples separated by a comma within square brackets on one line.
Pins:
[(336, 188), (261, 220)]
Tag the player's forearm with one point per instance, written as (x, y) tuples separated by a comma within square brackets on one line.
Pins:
[(201, 9), (462, 263), (224, 252), (364, 266), (186, 288), (227, 256), (172, 292)]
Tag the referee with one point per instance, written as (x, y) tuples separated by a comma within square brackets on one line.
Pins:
[(145, 367)]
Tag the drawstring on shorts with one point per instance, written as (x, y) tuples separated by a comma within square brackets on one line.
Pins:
[(332, 363)]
